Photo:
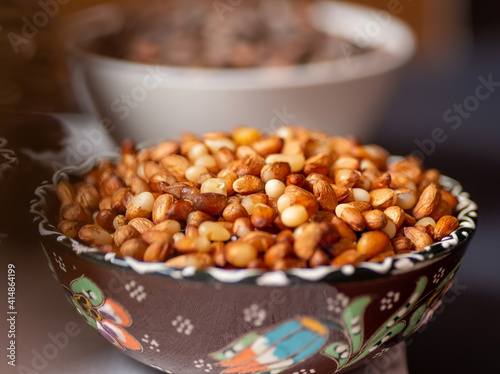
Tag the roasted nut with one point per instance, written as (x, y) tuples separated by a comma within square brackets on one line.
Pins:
[(401, 244), (240, 254), (197, 260), (277, 252), (319, 258), (180, 210), (382, 198), (124, 233), (234, 211), (141, 206), (427, 202), (375, 219), (176, 165), (152, 236), (94, 235), (276, 170), (296, 161), (268, 146), (138, 185), (445, 226), (382, 181), (69, 228), (396, 214), (262, 216), (307, 241), (362, 206), (161, 206), (105, 219), (295, 179), (65, 192), (319, 163), (141, 224), (260, 240), (344, 230), (348, 257), (419, 239), (371, 243), (245, 135), (248, 184), (121, 199), (191, 245), (169, 226), (249, 201), (346, 177), (353, 218), (75, 212), (110, 185), (242, 226), (211, 203), (325, 195), (252, 165), (343, 244), (158, 181), (133, 248)]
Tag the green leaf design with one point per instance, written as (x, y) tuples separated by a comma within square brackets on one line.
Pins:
[(372, 347), (415, 318), (353, 319), (339, 352), (88, 288), (401, 312), (244, 342)]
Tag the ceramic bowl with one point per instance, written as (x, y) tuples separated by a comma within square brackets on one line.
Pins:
[(167, 101), (320, 320)]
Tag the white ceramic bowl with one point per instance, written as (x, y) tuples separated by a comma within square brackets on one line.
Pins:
[(343, 96)]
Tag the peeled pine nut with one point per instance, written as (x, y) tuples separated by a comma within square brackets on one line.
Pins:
[(213, 231), (215, 185), (294, 216), (275, 188), (141, 206), (296, 162), (360, 194)]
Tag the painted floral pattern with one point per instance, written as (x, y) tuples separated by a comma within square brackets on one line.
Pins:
[(107, 316), (286, 344)]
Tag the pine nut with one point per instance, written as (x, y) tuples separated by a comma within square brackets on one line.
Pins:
[(213, 231), (294, 216)]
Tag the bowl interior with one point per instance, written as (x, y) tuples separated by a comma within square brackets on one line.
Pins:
[(393, 44)]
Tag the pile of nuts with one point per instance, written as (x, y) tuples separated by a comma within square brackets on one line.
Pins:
[(293, 198)]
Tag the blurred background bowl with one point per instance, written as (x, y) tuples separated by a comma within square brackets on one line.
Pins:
[(344, 96)]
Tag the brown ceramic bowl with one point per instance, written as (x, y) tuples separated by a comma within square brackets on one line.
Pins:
[(320, 320)]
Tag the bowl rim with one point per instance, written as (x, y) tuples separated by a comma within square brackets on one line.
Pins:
[(393, 265), (402, 46)]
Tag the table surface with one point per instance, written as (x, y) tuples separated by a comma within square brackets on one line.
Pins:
[(460, 340)]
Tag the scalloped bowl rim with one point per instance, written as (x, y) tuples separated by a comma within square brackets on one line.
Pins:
[(402, 263)]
